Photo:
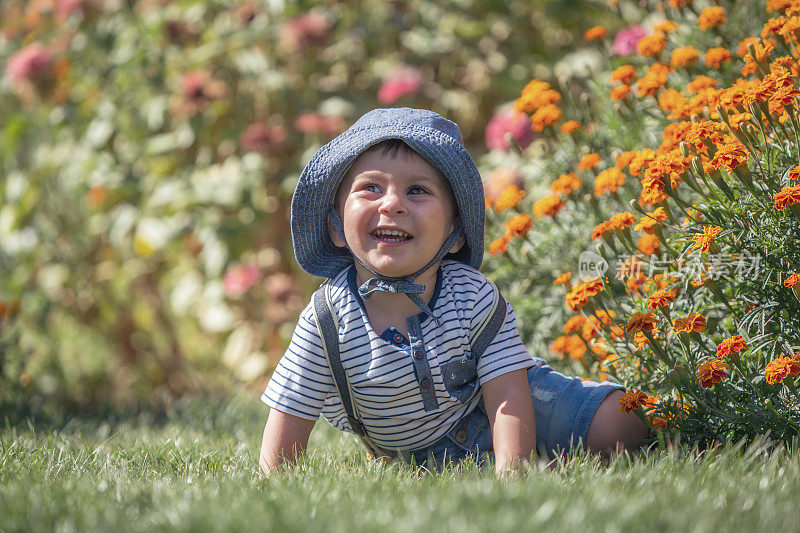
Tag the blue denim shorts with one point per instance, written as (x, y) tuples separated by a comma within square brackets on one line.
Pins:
[(563, 408)]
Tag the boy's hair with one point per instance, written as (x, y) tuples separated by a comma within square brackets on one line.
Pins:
[(392, 148)]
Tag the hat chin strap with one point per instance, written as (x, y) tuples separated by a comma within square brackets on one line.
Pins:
[(403, 285)]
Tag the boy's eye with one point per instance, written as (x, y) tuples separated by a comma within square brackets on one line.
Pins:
[(371, 187), (417, 190)]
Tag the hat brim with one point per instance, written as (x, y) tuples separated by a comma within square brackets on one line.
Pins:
[(316, 189)]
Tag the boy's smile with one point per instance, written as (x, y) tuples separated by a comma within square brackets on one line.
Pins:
[(397, 210)]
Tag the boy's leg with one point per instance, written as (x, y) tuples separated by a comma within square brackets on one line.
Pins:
[(611, 429), (574, 412)]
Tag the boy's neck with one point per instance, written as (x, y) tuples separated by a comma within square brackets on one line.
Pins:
[(385, 309)]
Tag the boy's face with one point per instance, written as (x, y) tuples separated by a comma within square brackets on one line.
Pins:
[(397, 210)]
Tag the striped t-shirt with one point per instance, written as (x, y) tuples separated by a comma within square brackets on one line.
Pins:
[(379, 366)]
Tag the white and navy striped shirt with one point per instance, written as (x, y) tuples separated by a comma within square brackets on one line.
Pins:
[(379, 366)]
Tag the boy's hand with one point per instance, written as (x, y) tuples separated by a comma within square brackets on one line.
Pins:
[(508, 403), (285, 439)]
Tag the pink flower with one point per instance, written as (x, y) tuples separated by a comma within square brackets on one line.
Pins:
[(261, 137), (311, 122), (399, 82), (626, 39), (32, 63), (200, 89), (239, 278), (505, 124), (64, 8), (305, 31)]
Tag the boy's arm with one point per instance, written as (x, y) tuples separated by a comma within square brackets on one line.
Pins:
[(285, 439), (508, 403)]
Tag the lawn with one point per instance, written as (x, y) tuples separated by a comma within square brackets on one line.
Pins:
[(193, 467)]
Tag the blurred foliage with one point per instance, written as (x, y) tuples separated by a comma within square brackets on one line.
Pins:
[(148, 150)]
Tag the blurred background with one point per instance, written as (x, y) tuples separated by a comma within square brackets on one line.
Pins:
[(149, 150)]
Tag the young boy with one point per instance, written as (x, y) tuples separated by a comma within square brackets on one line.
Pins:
[(392, 213)]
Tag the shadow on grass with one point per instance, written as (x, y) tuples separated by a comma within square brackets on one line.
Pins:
[(209, 412)]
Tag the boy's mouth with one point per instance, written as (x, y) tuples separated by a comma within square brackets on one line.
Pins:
[(391, 235)]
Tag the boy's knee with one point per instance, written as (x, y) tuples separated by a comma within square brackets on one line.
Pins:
[(611, 429)]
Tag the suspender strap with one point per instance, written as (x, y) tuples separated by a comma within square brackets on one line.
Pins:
[(490, 328), (328, 330)]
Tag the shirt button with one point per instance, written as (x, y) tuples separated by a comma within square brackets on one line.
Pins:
[(398, 338), (461, 436), (418, 354), (425, 383)]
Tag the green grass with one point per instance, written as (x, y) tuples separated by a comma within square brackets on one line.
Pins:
[(194, 468)]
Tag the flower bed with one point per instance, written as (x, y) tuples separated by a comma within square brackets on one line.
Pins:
[(688, 292)]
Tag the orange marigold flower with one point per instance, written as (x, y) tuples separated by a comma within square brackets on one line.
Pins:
[(703, 241), (519, 225), (597, 32), (651, 220), (566, 183), (648, 244), (600, 229), (695, 322), (661, 298), (609, 180), (731, 345), (730, 156), (679, 3), (632, 400), (772, 26), (619, 93), (549, 206), (624, 159), (588, 161), (590, 326), (716, 57), (653, 80), (569, 126), (620, 221), (711, 17), (700, 83), (574, 324), (535, 95), (510, 197), (563, 278), (794, 174), (641, 322), (545, 116), (684, 56), (789, 195), (640, 160), (625, 74), (673, 102), (781, 368), (666, 26), (651, 45), (498, 246), (712, 372), (792, 280)]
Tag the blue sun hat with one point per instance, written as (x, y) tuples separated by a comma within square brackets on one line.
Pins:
[(433, 137)]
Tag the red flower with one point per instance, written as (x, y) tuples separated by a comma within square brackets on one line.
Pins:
[(399, 82), (32, 63), (239, 278), (506, 126)]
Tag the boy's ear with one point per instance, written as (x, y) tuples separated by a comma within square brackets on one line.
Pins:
[(462, 239), (335, 237)]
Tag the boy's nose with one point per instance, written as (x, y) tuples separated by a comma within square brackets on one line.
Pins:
[(392, 203)]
